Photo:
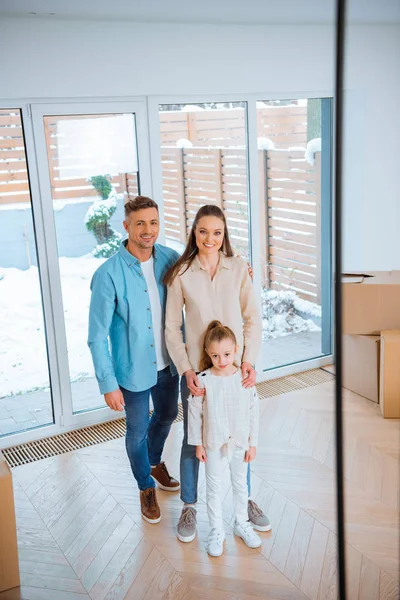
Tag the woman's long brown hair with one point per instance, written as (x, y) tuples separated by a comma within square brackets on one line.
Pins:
[(191, 250), (215, 332)]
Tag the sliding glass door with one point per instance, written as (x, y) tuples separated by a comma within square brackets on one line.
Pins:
[(294, 140), (209, 152), (92, 158), (25, 389), (85, 161)]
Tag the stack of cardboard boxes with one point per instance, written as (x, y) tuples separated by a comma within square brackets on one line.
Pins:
[(9, 570), (371, 338)]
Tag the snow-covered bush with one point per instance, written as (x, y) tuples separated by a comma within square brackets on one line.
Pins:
[(109, 248), (284, 312), (102, 185), (98, 216)]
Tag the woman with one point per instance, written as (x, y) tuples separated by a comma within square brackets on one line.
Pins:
[(211, 284)]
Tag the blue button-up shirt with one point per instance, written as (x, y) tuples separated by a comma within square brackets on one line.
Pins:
[(120, 312)]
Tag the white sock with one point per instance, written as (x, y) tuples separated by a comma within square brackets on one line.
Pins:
[(185, 505)]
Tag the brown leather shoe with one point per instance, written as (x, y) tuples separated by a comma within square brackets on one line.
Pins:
[(163, 478), (149, 506)]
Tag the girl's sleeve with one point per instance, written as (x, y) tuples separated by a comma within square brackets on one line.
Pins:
[(254, 417), (195, 420), (252, 325), (173, 327)]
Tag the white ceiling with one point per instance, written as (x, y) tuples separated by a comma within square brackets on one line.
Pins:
[(251, 12)]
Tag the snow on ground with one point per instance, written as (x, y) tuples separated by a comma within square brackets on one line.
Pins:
[(23, 359)]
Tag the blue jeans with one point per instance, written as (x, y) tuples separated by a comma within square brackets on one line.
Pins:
[(189, 466), (145, 437)]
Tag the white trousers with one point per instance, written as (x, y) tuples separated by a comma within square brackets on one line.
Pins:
[(216, 460)]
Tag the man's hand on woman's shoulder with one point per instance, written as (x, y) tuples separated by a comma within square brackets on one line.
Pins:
[(249, 268)]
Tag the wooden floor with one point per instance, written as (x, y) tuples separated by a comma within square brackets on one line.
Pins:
[(81, 535)]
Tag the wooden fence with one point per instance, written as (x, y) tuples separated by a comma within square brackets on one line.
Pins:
[(286, 126), (290, 207), (196, 176), (14, 185), (213, 172), (292, 203)]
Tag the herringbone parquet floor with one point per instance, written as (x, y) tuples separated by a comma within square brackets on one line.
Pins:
[(81, 535)]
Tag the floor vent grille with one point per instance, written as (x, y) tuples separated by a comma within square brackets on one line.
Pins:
[(292, 383), (68, 441), (111, 430)]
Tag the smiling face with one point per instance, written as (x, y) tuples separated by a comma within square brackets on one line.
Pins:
[(209, 234), (142, 227), (222, 355)]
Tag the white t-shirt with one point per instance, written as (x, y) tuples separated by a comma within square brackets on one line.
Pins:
[(156, 313)]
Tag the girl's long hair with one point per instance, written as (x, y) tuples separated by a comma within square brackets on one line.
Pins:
[(208, 210), (215, 332)]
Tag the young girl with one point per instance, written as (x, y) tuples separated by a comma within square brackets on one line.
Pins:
[(223, 425)]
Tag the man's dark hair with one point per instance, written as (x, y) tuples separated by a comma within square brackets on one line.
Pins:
[(138, 203)]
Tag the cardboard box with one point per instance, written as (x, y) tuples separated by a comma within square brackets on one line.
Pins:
[(9, 569), (361, 357), (389, 395), (371, 302)]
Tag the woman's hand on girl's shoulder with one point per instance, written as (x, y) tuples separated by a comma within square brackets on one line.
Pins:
[(201, 453)]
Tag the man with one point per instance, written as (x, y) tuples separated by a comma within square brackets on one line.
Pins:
[(128, 307)]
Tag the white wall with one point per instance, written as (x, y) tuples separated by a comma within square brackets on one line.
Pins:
[(45, 58), (84, 58)]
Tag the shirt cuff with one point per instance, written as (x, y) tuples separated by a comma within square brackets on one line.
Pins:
[(108, 385), (183, 367), (195, 441), (253, 441)]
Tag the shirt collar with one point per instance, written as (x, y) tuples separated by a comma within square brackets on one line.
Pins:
[(128, 257), (224, 263)]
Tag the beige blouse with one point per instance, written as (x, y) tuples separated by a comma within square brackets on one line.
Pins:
[(228, 297)]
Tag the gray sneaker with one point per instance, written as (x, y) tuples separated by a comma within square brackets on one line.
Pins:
[(257, 517), (186, 530)]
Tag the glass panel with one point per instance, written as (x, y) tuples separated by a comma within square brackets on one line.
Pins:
[(25, 395), (93, 171), (370, 359), (294, 140), (204, 161)]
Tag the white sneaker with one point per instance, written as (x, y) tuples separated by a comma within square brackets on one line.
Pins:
[(248, 535), (215, 545)]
